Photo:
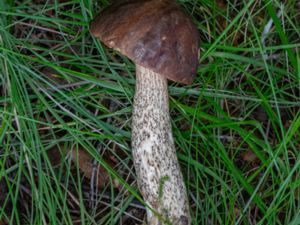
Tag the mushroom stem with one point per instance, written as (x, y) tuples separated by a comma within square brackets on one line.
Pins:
[(159, 177)]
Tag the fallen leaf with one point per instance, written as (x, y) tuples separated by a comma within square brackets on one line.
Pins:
[(249, 156), (85, 163)]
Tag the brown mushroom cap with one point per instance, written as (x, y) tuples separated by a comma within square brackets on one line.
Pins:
[(155, 34)]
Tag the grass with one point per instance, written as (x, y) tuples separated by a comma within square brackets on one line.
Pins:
[(236, 127)]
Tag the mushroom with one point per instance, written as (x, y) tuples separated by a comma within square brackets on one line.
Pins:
[(163, 42)]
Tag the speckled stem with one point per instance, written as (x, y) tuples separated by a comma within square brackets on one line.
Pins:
[(159, 176)]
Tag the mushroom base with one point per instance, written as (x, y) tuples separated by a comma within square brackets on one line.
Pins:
[(159, 177)]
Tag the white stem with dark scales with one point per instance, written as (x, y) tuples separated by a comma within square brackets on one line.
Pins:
[(159, 176)]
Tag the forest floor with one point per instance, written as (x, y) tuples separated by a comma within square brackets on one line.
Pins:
[(66, 105)]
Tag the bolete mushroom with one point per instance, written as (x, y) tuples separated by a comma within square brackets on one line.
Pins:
[(163, 42)]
